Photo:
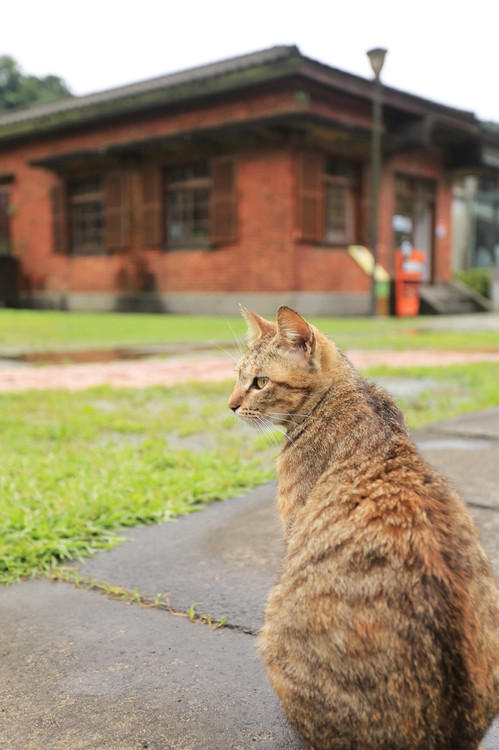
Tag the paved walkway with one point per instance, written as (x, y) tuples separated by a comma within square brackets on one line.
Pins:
[(154, 371), (83, 671)]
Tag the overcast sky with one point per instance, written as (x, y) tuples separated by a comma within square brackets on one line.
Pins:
[(445, 50)]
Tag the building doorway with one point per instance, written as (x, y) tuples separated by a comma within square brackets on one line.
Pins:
[(414, 217), (485, 242)]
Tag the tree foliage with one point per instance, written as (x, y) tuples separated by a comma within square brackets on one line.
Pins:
[(18, 90)]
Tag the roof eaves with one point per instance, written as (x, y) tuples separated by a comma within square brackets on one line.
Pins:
[(391, 96)]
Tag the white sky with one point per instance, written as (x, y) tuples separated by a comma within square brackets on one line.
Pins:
[(445, 50)]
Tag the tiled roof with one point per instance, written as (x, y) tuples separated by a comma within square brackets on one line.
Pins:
[(170, 80), (214, 78)]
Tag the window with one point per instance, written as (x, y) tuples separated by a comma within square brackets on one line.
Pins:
[(188, 195), (339, 182), (86, 210), (327, 199), (189, 206), (4, 220)]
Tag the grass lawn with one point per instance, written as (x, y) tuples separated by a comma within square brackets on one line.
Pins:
[(78, 466), (46, 330), (448, 391)]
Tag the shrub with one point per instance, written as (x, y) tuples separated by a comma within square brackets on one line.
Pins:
[(477, 279)]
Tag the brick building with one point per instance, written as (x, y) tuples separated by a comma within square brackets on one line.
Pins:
[(244, 180)]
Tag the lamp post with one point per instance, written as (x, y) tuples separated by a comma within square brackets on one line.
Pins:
[(376, 58)]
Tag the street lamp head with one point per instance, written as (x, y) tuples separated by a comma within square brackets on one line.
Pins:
[(377, 58)]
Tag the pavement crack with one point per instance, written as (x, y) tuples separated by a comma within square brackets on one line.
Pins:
[(145, 601), (483, 506)]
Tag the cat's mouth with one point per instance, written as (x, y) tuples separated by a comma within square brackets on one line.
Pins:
[(255, 418)]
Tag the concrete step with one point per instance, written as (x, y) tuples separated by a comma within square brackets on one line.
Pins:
[(451, 298)]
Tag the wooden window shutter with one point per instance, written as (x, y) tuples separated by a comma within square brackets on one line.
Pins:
[(152, 199), (311, 197), (223, 201), (116, 225), (60, 219)]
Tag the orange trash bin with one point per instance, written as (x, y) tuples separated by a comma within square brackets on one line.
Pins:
[(409, 267)]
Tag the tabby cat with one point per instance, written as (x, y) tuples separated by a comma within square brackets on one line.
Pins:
[(382, 632)]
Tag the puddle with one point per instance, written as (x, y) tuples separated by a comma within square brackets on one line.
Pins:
[(69, 356), (86, 355), (454, 443), (4, 362)]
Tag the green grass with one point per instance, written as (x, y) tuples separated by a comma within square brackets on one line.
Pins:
[(68, 574), (78, 467), (451, 390), (49, 330)]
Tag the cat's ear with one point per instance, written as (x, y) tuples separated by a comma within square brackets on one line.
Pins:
[(294, 331), (258, 327)]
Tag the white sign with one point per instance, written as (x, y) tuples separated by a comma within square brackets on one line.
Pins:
[(402, 223)]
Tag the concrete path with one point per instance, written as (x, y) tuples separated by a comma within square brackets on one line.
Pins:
[(81, 671)]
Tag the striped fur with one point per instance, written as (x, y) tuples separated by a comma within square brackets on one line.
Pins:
[(382, 632)]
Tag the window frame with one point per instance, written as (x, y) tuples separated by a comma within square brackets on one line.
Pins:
[(348, 187), (188, 187), (316, 170), (74, 201)]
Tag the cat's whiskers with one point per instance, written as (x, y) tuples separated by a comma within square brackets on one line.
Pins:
[(264, 427), (290, 414), (284, 419), (286, 436), (238, 342), (271, 427), (259, 426), (229, 355)]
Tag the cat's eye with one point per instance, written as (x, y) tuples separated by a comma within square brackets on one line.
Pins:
[(260, 382)]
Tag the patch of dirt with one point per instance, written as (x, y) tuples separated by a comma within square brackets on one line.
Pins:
[(150, 372)]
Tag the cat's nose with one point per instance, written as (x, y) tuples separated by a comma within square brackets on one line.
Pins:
[(234, 403)]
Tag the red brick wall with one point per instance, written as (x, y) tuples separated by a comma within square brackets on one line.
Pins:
[(259, 261), (266, 257), (323, 269)]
